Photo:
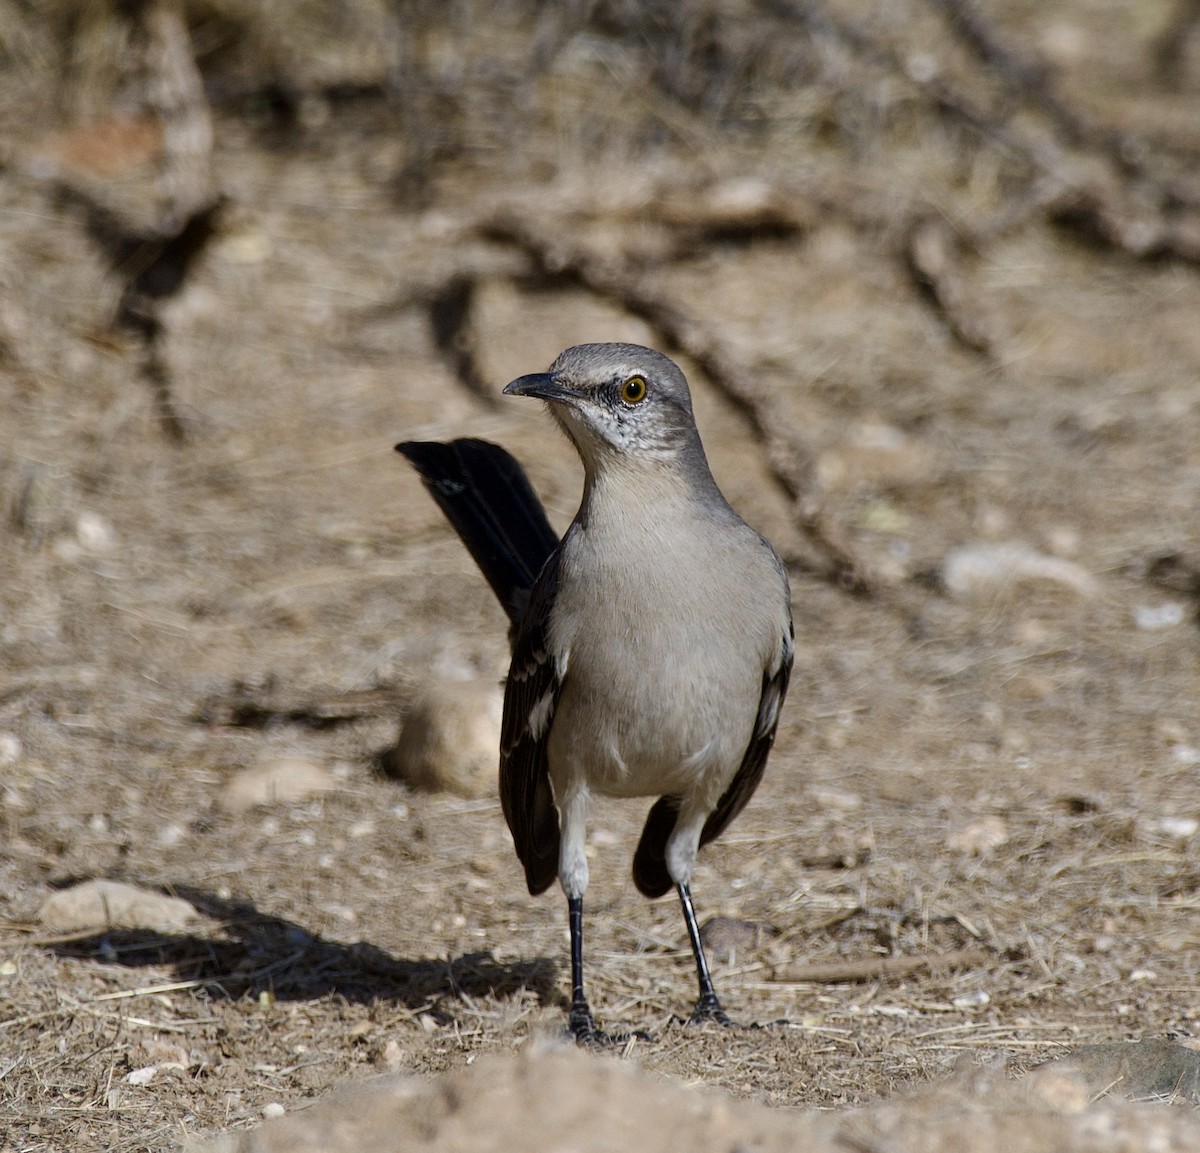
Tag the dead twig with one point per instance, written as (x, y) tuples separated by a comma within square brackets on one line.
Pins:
[(788, 457), (140, 166), (1133, 207), (257, 707), (932, 261), (450, 324), (1109, 185), (1171, 47)]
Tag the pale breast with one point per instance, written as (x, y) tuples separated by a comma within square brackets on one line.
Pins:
[(665, 661)]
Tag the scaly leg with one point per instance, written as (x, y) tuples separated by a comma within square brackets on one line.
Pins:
[(708, 1007), (582, 1023)]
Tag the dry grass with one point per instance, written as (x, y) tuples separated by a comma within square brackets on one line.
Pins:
[(203, 507)]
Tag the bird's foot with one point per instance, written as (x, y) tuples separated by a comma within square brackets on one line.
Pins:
[(708, 1008), (583, 1028)]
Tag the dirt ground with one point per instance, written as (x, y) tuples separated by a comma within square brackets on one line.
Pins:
[(933, 270)]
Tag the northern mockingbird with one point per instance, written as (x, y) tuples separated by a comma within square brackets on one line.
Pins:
[(651, 646)]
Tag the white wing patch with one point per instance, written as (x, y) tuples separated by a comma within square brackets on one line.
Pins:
[(768, 709), (541, 714)]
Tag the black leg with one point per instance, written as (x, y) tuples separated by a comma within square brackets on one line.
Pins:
[(582, 1023), (708, 1007)]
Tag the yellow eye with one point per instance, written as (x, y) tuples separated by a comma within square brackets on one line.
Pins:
[(633, 391)]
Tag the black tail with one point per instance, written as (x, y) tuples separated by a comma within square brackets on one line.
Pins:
[(486, 496), (650, 860)]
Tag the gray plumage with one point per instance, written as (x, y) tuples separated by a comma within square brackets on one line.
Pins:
[(651, 654), (654, 656)]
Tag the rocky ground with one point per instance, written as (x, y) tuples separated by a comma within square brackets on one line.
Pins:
[(931, 268)]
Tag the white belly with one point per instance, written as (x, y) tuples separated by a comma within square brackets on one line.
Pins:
[(666, 701)]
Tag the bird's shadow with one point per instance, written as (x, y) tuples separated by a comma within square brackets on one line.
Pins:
[(255, 953)]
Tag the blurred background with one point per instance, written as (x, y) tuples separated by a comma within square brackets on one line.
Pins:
[(931, 268)]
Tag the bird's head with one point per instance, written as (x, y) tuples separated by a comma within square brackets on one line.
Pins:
[(617, 399)]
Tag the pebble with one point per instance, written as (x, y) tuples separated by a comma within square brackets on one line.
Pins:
[(391, 1056), (976, 1000), (1171, 730), (101, 905), (838, 800), (94, 533), (1180, 827), (1142, 1070), (10, 749), (1151, 618), (980, 837), (450, 738), (280, 780), (976, 570), (1064, 1089)]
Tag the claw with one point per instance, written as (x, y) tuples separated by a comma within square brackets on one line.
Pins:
[(583, 1028), (708, 1008)]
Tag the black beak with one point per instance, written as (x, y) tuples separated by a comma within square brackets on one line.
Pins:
[(540, 384)]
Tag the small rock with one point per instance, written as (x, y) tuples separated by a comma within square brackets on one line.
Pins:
[(1144, 1070), (1172, 730), (245, 247), (114, 905), (1062, 541), (94, 533), (278, 781), (1182, 828), (992, 521), (450, 738), (273, 1109), (1062, 1087), (978, 838), (1151, 618), (391, 1056), (976, 570), (10, 749), (837, 800), (142, 1076)]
